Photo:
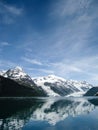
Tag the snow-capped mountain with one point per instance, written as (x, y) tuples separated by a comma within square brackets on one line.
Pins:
[(18, 75), (57, 86), (51, 84), (15, 82)]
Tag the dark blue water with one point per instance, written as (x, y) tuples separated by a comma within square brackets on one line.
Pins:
[(48, 113)]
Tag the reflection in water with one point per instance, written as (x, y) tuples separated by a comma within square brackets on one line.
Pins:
[(94, 101), (54, 111), (16, 112)]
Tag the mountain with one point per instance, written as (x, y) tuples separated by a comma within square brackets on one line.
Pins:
[(57, 86), (19, 76), (51, 85), (15, 73), (10, 88), (92, 92)]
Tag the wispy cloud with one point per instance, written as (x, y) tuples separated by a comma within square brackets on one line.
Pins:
[(47, 71), (9, 13), (6, 64), (94, 77), (74, 33), (84, 68), (32, 61), (4, 44), (65, 68), (13, 10), (70, 7)]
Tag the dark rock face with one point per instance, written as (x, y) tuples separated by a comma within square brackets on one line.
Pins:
[(92, 92), (11, 88)]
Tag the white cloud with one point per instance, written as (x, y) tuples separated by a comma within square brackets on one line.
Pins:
[(5, 44), (9, 13), (47, 71), (72, 37), (28, 50), (77, 69), (7, 64), (32, 61), (94, 77), (1, 50), (70, 7), (64, 69), (13, 10)]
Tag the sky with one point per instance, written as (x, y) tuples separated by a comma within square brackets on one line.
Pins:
[(44, 37)]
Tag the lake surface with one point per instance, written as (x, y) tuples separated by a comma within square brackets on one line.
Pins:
[(49, 113)]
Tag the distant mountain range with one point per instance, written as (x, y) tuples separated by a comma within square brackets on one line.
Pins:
[(50, 85), (57, 86)]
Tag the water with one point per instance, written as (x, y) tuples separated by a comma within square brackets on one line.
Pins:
[(48, 113)]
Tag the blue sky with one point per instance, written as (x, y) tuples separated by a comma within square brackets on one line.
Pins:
[(50, 37)]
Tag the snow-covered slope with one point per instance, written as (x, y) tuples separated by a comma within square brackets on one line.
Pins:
[(57, 86)]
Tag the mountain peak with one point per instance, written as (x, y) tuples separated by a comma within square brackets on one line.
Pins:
[(18, 68), (52, 76), (55, 77), (15, 73)]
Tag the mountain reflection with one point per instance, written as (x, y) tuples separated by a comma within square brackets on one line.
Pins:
[(16, 112)]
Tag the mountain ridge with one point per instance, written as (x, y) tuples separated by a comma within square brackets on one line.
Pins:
[(52, 85), (60, 85)]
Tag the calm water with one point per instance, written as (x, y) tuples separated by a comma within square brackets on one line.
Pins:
[(48, 114)]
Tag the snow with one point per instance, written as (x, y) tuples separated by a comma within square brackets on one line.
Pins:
[(18, 68), (15, 73), (76, 94), (49, 78), (40, 82), (78, 88)]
